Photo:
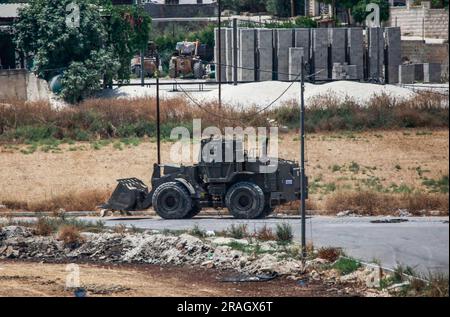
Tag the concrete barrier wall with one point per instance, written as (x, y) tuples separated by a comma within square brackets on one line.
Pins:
[(22, 85)]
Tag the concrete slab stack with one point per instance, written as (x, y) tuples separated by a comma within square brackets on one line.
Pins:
[(355, 41), (264, 47), (229, 54), (406, 73), (284, 40), (320, 52), (295, 62), (246, 59), (302, 38), (222, 53), (393, 44), (337, 40), (376, 54), (432, 73)]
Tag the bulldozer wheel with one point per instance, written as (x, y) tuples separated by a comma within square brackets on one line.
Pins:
[(245, 200), (172, 201), (194, 212), (199, 70)]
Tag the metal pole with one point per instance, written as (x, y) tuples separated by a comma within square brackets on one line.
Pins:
[(235, 35), (219, 46), (158, 121), (302, 161), (142, 67)]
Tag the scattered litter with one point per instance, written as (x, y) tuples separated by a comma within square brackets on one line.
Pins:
[(249, 278), (389, 220), (303, 282)]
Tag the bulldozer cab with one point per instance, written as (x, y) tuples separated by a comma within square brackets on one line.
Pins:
[(186, 48)]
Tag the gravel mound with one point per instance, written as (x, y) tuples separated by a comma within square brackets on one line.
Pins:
[(151, 248)]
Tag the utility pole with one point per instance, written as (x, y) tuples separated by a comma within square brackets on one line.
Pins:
[(158, 120), (302, 161)]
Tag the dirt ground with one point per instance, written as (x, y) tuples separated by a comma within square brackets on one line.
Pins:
[(39, 279), (381, 158)]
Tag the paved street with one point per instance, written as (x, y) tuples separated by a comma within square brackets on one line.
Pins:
[(421, 242)]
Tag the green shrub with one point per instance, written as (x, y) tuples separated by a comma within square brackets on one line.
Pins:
[(346, 266), (284, 233)]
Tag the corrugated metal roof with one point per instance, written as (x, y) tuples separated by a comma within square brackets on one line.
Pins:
[(10, 10)]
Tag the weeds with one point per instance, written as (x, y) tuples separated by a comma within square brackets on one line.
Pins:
[(329, 253), (346, 265), (238, 231), (376, 203), (74, 201), (95, 119), (284, 233), (198, 232), (70, 235), (265, 234)]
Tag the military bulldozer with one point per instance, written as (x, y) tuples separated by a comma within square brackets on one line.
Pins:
[(186, 61), (249, 187)]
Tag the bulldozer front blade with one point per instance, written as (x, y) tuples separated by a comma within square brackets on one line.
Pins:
[(128, 195)]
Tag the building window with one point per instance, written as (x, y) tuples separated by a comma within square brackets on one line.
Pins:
[(172, 1)]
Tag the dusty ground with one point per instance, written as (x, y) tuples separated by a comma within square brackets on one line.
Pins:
[(39, 279), (336, 161)]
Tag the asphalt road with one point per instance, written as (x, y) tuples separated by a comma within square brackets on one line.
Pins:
[(420, 242)]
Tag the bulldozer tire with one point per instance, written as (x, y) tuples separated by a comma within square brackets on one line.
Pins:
[(194, 212), (172, 201), (245, 200), (199, 70)]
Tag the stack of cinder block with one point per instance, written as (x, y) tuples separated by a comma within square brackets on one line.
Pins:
[(344, 71)]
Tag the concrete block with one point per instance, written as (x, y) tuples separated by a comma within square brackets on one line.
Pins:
[(406, 73), (394, 50), (320, 52), (376, 54), (432, 73), (284, 40), (337, 40), (229, 53), (264, 46), (302, 38), (356, 50), (246, 70), (222, 53), (344, 72), (295, 62)]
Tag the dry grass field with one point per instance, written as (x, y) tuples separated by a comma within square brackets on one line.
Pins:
[(80, 175)]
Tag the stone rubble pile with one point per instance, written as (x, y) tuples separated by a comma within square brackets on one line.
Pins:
[(152, 248)]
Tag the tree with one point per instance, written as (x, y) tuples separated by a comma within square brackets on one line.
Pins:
[(100, 48), (281, 8)]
